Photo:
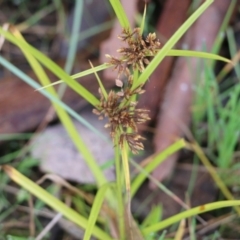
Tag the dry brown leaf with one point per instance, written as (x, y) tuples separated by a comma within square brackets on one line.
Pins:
[(175, 112)]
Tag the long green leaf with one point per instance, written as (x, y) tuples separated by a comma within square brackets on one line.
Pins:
[(170, 43), (90, 71), (66, 120), (81, 74), (221, 36), (95, 210), (187, 53), (53, 202), (120, 13), (189, 213)]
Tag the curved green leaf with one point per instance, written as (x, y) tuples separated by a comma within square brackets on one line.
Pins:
[(104, 92), (187, 53), (120, 13), (81, 74), (189, 213)]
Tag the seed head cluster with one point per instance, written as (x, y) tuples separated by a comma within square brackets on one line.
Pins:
[(137, 52), (118, 106)]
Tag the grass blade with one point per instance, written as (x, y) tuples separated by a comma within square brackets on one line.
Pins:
[(78, 10), (153, 217), (143, 19), (53, 202), (100, 83), (81, 74), (120, 13), (95, 210), (187, 53), (220, 37), (189, 213)]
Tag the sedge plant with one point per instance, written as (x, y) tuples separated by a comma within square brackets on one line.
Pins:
[(138, 59)]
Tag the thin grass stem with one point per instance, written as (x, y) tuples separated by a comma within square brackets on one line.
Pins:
[(127, 184), (119, 191)]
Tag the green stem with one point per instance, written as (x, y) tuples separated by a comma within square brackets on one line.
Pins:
[(119, 190), (135, 75), (127, 185)]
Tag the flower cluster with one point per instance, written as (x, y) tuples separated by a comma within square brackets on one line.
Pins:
[(122, 114), (118, 106)]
